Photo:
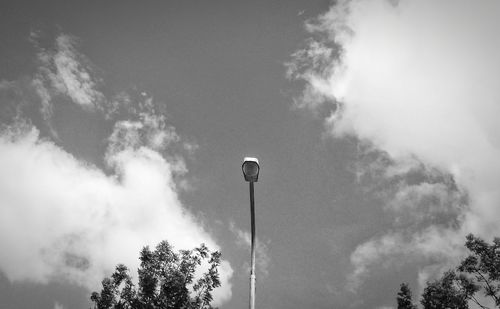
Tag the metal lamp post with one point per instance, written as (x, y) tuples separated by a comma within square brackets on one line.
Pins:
[(251, 169)]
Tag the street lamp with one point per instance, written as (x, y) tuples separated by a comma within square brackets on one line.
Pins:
[(251, 169)]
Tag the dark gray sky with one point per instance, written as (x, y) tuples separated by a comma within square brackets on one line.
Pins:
[(126, 123)]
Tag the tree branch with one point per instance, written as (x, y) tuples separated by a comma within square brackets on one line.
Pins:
[(489, 288), (477, 302)]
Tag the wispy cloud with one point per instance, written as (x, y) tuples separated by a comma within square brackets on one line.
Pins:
[(64, 70), (65, 219), (58, 306), (417, 81), (262, 259), (150, 129)]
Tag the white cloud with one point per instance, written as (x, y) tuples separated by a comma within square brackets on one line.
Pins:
[(417, 80), (150, 129), (262, 259), (58, 306), (61, 218), (64, 219), (65, 71), (393, 249)]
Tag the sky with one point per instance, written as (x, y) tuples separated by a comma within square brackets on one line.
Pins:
[(125, 123)]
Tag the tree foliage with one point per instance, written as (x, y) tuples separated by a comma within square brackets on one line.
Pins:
[(404, 298), (483, 266), (478, 272), (166, 280), (445, 293)]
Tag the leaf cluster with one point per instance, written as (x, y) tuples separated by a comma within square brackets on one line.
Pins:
[(479, 271), (166, 280), (483, 266), (445, 293), (404, 298)]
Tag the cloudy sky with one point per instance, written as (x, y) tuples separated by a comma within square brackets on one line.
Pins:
[(125, 123)]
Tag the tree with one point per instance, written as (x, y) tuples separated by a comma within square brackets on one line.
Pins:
[(483, 267), (445, 293), (166, 280), (479, 271), (404, 298)]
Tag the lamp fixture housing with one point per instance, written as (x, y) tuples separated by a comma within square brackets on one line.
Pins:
[(251, 169)]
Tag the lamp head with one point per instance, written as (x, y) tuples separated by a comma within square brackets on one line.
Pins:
[(250, 169)]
